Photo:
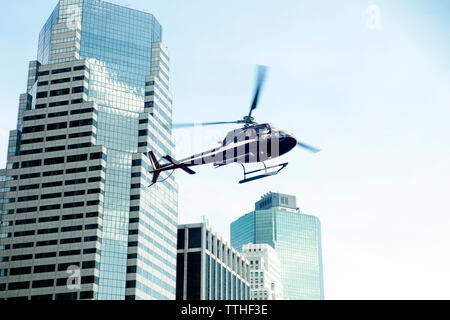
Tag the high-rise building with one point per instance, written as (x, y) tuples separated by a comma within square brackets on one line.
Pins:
[(208, 268), (295, 237), (76, 184), (265, 272)]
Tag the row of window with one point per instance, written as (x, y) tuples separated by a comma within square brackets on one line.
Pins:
[(59, 103), (59, 81), (46, 231), (58, 206), (63, 50), (74, 216), (57, 184), (162, 112), (57, 218), (151, 93), (60, 125), (60, 137), (61, 92), (54, 173), (59, 114), (59, 160), (47, 268), (71, 39), (27, 233), (46, 255), (45, 243), (84, 295), (60, 282), (54, 207), (58, 148), (62, 70)]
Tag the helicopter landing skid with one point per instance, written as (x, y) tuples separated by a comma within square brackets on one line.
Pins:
[(264, 175)]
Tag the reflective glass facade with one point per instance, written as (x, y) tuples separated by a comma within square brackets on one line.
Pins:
[(117, 41), (45, 37), (296, 238)]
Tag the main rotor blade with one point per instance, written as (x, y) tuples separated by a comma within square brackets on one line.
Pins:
[(308, 147), (200, 124), (259, 85)]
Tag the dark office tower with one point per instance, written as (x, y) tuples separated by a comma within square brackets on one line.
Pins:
[(296, 238), (78, 219), (208, 268)]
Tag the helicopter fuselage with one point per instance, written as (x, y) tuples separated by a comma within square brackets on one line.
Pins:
[(251, 144), (247, 145)]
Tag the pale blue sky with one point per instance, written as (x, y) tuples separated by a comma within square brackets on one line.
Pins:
[(376, 101)]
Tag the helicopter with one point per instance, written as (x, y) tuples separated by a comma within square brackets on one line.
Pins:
[(252, 143)]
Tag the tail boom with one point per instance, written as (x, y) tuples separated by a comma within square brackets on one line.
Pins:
[(158, 168)]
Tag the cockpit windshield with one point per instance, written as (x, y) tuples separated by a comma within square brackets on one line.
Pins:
[(252, 132), (264, 129)]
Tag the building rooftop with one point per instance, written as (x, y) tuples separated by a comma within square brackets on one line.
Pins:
[(276, 200)]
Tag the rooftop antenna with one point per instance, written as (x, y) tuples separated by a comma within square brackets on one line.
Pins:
[(205, 220)]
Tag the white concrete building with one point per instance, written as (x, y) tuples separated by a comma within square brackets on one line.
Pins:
[(265, 272)]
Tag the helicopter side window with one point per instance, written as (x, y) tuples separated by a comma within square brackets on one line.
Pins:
[(263, 132), (265, 129), (250, 134), (240, 135)]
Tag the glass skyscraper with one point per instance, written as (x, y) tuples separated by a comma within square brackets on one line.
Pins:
[(100, 83), (295, 237)]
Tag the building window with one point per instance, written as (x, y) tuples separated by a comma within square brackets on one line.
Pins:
[(180, 239), (193, 279), (208, 276), (47, 297), (66, 296), (31, 163), (219, 281), (57, 81), (229, 285), (195, 237), (19, 285), (58, 114), (59, 92), (58, 103), (44, 269), (224, 284), (87, 295), (41, 95), (180, 276), (58, 71), (43, 283)]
